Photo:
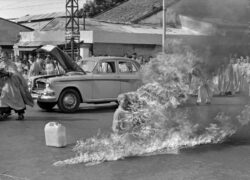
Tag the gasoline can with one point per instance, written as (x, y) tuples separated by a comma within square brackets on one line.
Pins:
[(55, 134)]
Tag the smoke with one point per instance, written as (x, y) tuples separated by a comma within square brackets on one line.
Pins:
[(234, 11), (158, 122)]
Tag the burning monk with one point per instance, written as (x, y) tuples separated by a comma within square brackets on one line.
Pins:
[(14, 89), (121, 115)]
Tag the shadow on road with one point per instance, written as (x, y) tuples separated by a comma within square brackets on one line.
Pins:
[(86, 109)]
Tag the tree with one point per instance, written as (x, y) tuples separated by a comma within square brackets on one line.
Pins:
[(92, 8)]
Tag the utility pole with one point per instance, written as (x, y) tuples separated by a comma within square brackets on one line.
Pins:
[(163, 25), (72, 27)]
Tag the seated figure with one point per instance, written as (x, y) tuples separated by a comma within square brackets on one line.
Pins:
[(121, 114)]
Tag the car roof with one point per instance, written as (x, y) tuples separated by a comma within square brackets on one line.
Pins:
[(98, 58)]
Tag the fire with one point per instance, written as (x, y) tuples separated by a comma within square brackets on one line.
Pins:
[(158, 124)]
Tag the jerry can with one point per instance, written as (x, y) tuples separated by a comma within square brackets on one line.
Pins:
[(55, 134)]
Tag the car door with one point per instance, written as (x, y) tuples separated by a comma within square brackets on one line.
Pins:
[(129, 76), (106, 83)]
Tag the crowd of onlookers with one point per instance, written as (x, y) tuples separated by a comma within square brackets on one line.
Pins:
[(40, 64), (139, 58), (36, 65)]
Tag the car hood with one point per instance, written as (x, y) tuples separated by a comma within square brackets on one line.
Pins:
[(65, 61)]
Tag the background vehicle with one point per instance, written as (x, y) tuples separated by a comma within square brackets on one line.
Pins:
[(104, 79)]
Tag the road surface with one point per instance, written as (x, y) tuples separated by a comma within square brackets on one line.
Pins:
[(23, 153)]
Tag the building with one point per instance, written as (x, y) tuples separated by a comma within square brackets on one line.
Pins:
[(136, 26), (9, 34), (224, 22), (37, 22)]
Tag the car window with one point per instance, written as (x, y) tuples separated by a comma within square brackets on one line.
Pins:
[(126, 67), (87, 66), (106, 67)]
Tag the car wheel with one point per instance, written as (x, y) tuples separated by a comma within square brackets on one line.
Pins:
[(46, 105), (69, 101)]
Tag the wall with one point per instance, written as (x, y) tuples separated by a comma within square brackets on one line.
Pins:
[(102, 49), (118, 37), (9, 32), (37, 38)]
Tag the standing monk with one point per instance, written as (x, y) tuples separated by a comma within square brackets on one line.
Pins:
[(205, 92), (14, 89), (229, 79), (221, 76), (236, 71)]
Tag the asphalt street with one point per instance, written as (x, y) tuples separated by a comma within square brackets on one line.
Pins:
[(24, 155)]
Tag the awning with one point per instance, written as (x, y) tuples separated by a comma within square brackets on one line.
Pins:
[(38, 43), (26, 49)]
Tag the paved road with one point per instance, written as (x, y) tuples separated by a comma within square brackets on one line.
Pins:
[(23, 153)]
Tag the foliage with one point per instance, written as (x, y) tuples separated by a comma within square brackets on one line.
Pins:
[(92, 8)]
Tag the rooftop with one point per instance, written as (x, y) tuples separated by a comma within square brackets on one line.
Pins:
[(40, 17), (10, 31), (217, 12), (132, 10), (91, 24)]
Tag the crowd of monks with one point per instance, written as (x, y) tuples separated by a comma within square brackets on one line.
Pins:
[(231, 77)]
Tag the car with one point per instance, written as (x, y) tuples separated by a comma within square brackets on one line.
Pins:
[(94, 80)]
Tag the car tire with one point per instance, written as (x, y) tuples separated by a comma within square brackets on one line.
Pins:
[(69, 101), (46, 105)]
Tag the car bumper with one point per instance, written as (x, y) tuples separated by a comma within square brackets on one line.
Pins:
[(39, 96), (44, 98)]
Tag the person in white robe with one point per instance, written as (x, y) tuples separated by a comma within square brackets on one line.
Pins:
[(236, 74), (221, 81), (228, 79), (205, 92)]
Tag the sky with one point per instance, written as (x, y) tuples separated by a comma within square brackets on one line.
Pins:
[(18, 8)]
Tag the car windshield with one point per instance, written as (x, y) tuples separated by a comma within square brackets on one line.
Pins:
[(87, 65)]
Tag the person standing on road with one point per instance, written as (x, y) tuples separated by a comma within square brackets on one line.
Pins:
[(221, 81), (205, 92), (19, 65), (14, 88), (30, 60), (236, 71), (37, 67), (229, 79), (49, 66)]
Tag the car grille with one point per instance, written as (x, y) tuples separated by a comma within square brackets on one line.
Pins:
[(40, 85)]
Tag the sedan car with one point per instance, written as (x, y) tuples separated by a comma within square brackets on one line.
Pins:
[(94, 80)]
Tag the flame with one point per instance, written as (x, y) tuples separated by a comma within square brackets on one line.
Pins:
[(156, 123)]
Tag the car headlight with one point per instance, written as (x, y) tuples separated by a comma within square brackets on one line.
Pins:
[(48, 91), (29, 85), (47, 85)]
